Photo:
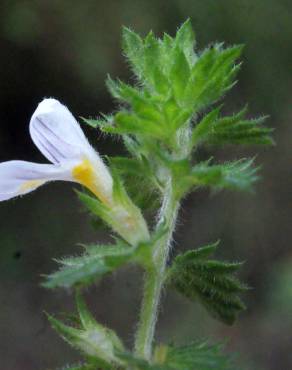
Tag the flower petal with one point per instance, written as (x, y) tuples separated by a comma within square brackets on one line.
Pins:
[(56, 133), (20, 177)]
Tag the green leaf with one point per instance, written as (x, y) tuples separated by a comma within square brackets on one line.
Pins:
[(179, 75), (145, 118), (87, 320), (231, 130), (125, 93), (69, 334), (228, 131), (237, 175), (83, 271), (185, 40), (119, 215), (94, 205), (93, 339), (210, 281), (129, 123), (99, 260), (212, 75), (132, 145), (93, 122), (89, 323), (133, 48), (145, 58), (153, 70), (93, 264), (199, 356), (138, 173), (137, 168), (204, 128)]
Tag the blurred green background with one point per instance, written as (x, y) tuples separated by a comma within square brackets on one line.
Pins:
[(65, 49)]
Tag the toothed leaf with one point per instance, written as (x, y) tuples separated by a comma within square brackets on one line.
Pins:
[(185, 40), (235, 129), (211, 76), (237, 175), (133, 48), (199, 356), (93, 339), (93, 264), (212, 282), (179, 75)]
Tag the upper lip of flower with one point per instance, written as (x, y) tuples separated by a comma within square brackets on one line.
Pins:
[(59, 137)]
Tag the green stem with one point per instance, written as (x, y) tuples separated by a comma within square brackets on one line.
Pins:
[(154, 277)]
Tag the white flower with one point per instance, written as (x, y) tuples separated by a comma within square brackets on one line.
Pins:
[(59, 137)]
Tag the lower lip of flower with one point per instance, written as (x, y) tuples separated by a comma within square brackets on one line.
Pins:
[(30, 185)]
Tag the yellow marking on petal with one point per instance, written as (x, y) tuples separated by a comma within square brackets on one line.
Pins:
[(30, 185), (84, 173)]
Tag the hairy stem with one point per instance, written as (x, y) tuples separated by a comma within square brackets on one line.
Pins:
[(154, 277)]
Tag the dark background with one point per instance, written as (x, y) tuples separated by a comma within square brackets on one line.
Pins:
[(65, 49)]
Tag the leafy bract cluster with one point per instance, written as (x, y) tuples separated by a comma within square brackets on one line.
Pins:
[(164, 118), (160, 119), (102, 349)]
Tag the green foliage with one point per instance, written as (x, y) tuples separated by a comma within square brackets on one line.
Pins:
[(199, 356), (162, 120), (175, 83), (209, 281), (97, 261), (212, 75), (170, 67), (235, 129), (237, 175), (104, 349), (91, 338), (195, 356), (158, 119), (139, 168)]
